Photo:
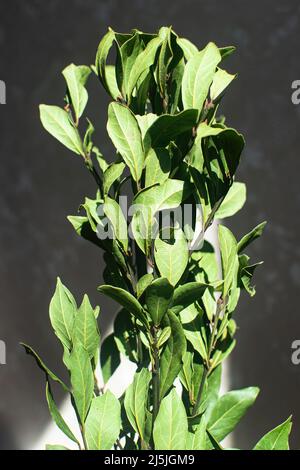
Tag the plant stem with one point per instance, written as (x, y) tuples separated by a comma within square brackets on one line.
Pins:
[(155, 375), (201, 388), (82, 430)]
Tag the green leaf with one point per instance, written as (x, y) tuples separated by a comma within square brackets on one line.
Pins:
[(164, 59), (229, 410), (171, 427), (144, 60), (76, 77), (143, 283), (148, 202), (57, 122), (186, 295), (194, 331), (55, 447), (169, 264), (251, 236), (82, 380), (186, 373), (83, 228), (116, 217), (158, 299), (246, 273), (204, 268), (167, 127), (221, 81), (197, 439), (104, 47), (228, 247), (135, 402), (277, 438), (189, 49), (129, 52), (163, 336), (109, 357), (62, 312), (103, 423), (171, 356), (157, 166), (226, 51), (145, 122), (86, 328), (198, 76), (168, 195), (125, 134), (195, 156), (57, 417), (43, 367), (175, 87), (88, 137), (125, 299), (233, 201), (125, 335), (111, 80), (102, 163), (111, 174)]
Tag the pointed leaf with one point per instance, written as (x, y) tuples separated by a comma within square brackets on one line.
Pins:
[(251, 236), (82, 380), (186, 295), (43, 367), (62, 313), (111, 174), (229, 410), (198, 76), (157, 166), (158, 299), (104, 47), (136, 399), (171, 428), (228, 247), (143, 283), (125, 299), (57, 417), (57, 122), (144, 60), (221, 81), (116, 217), (172, 354), (166, 127), (103, 422), (86, 328), (189, 49), (233, 201), (277, 439), (125, 133), (76, 77), (169, 264)]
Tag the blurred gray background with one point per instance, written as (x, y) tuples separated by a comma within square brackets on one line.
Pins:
[(41, 183)]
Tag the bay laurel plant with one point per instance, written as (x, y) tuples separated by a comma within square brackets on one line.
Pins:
[(174, 165)]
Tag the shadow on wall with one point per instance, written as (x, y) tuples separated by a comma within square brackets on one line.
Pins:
[(41, 183)]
